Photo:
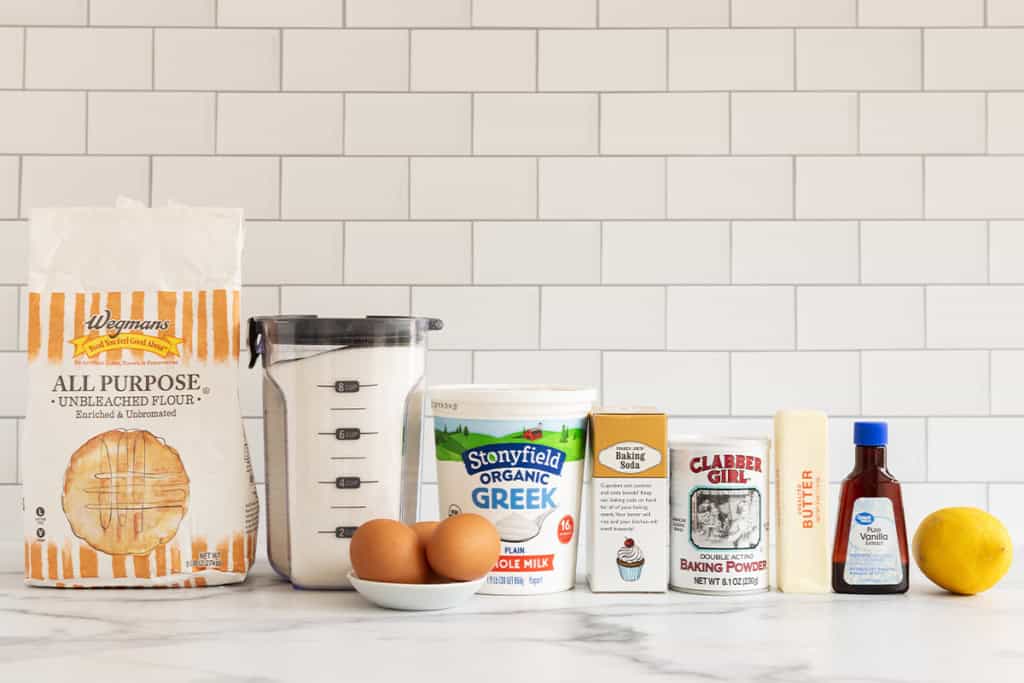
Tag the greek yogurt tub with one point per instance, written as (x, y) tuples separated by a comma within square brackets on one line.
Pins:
[(514, 454)]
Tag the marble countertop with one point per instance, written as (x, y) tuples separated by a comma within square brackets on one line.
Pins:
[(265, 631)]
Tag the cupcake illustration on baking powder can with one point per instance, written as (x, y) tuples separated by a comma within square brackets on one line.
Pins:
[(630, 560)]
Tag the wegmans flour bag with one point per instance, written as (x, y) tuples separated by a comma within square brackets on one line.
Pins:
[(136, 471)]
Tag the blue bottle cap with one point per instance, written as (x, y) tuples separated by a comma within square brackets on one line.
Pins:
[(870, 433)]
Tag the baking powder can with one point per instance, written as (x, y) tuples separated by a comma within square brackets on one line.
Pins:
[(719, 515)]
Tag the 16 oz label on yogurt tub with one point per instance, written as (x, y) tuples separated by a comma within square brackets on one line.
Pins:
[(524, 476)]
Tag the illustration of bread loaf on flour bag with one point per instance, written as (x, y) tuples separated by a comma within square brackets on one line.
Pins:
[(125, 492)]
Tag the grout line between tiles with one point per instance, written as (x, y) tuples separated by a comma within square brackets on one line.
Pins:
[(472, 253), (150, 172), (24, 58), (280, 188), (536, 61), (344, 13)]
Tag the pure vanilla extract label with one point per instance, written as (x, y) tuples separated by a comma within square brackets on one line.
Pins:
[(873, 552)]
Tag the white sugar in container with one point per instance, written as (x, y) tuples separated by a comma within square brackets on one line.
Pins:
[(515, 455)]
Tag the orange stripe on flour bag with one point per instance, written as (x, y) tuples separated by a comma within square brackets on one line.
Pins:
[(51, 561), (200, 582), (224, 547), (138, 312), (198, 546), (114, 306), (141, 563), (235, 341), (161, 560), (79, 315), (120, 566), (175, 559), (201, 315), (88, 563), (186, 324), (36, 561), (34, 326), (238, 556), (55, 345), (220, 325), (94, 308), (68, 567), (167, 309)]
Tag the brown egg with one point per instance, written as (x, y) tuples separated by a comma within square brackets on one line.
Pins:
[(424, 530), (464, 547), (388, 551)]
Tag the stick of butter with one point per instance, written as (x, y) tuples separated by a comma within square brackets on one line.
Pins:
[(802, 560)]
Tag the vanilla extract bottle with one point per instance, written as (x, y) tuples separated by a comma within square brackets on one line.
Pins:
[(870, 551)]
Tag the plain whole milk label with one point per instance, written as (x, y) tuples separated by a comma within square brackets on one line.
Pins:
[(525, 476), (873, 552), (719, 518)]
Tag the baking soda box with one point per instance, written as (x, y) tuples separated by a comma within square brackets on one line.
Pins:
[(628, 501)]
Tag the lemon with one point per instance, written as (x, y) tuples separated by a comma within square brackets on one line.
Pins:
[(964, 550)]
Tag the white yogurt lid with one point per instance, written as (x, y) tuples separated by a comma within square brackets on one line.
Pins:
[(686, 440), (512, 393)]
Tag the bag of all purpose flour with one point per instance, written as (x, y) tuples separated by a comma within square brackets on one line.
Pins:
[(136, 471)]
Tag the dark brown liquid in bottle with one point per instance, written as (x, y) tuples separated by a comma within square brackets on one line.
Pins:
[(869, 479)]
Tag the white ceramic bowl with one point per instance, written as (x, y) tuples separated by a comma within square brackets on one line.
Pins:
[(414, 596)]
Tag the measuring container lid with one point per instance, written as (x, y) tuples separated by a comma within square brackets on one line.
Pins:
[(311, 330)]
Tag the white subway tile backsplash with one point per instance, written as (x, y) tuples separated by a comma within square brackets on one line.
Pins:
[(279, 123), (1006, 251), (152, 12), (974, 187), (345, 60), (804, 252), (858, 187), (480, 317), (473, 60), (730, 187), (569, 368), (763, 383), (755, 427), (1006, 503), (975, 317), (14, 389), (754, 318), (42, 122), (382, 252), (9, 304), (274, 13), (613, 59), (353, 188), (665, 252), (151, 123), (556, 253), (48, 182), (345, 302), (673, 382), (663, 13), (665, 123), (575, 188), (449, 367), (1008, 382), (920, 500), (407, 124), (922, 123), (14, 255), (11, 64), (8, 451), (603, 318), (10, 173), (952, 440), (1005, 13), (257, 301), (540, 123), (50, 13), (731, 60), (925, 382), (217, 59), (540, 13), (861, 59), (973, 59), (247, 182), (860, 317), (908, 454), (1006, 122), (906, 252), (794, 123), (467, 188), (921, 12), (413, 13), (794, 12), (292, 252), (76, 58)]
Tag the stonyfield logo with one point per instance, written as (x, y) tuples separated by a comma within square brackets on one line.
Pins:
[(500, 456)]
